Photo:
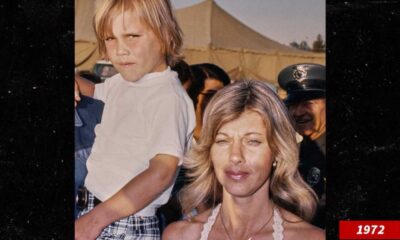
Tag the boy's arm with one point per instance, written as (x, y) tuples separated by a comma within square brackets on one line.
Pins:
[(133, 197)]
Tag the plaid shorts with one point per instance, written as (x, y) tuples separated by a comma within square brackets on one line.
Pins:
[(129, 228)]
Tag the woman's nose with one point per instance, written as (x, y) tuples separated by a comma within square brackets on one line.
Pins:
[(236, 154)]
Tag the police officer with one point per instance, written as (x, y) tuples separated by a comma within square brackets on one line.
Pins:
[(305, 87)]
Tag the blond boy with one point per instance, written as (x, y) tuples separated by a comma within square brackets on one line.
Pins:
[(147, 121)]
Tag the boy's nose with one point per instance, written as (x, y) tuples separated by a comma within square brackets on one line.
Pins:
[(122, 49)]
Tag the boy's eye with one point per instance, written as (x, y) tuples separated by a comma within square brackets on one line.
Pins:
[(131, 36), (107, 39)]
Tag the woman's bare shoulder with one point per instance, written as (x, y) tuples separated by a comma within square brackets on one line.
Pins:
[(186, 229), (308, 231), (182, 230), (297, 228)]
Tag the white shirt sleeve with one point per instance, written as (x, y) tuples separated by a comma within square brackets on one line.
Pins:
[(168, 134), (101, 90)]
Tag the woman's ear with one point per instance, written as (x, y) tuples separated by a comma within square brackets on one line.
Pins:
[(275, 164)]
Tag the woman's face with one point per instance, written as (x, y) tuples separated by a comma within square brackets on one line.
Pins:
[(241, 155)]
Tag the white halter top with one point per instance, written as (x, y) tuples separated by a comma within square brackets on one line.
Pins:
[(277, 226)]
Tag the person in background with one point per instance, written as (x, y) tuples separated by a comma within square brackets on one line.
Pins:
[(246, 162), (184, 73), (147, 122), (207, 96), (305, 87), (206, 76), (87, 115)]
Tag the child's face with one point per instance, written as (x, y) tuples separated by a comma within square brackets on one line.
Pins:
[(133, 48)]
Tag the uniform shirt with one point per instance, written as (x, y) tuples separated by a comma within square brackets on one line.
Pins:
[(313, 169)]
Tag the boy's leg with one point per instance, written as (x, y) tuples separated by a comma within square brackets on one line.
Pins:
[(129, 228)]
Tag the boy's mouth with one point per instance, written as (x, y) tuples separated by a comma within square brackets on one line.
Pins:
[(126, 64)]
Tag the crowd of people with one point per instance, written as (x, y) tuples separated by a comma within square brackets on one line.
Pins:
[(171, 150)]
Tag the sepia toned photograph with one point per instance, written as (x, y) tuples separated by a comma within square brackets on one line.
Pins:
[(200, 119)]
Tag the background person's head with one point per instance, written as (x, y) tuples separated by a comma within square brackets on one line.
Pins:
[(207, 96), (138, 36), (305, 87), (309, 117), (184, 73), (286, 187), (206, 77)]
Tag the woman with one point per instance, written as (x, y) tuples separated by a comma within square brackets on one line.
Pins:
[(246, 163)]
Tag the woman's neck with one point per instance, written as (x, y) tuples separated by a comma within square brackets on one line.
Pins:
[(246, 212)]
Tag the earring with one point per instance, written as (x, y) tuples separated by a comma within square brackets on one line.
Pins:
[(274, 164)]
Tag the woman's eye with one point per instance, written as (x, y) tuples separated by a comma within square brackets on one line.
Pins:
[(221, 141), (107, 39), (254, 142)]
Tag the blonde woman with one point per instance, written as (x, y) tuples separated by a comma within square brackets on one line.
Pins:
[(246, 164)]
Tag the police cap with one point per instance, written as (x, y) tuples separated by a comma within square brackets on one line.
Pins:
[(302, 82)]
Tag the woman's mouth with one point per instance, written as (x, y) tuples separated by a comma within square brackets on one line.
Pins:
[(236, 175)]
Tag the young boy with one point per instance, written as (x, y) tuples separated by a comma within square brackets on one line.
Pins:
[(146, 125)]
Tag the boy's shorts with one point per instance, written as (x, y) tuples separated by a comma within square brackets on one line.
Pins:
[(129, 228)]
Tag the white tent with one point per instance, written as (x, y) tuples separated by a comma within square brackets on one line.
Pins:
[(86, 53), (210, 35)]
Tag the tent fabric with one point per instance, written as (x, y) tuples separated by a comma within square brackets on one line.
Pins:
[(86, 54), (86, 51), (210, 35), (206, 24), (84, 12)]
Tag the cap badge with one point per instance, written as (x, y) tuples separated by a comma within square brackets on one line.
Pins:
[(300, 73)]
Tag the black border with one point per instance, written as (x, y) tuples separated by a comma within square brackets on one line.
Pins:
[(36, 146), (363, 117)]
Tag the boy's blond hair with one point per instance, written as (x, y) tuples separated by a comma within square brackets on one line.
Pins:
[(155, 14)]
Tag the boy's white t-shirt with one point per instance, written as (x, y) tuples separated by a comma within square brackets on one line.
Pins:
[(141, 119)]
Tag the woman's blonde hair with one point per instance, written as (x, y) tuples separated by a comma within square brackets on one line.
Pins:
[(155, 14), (287, 188)]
